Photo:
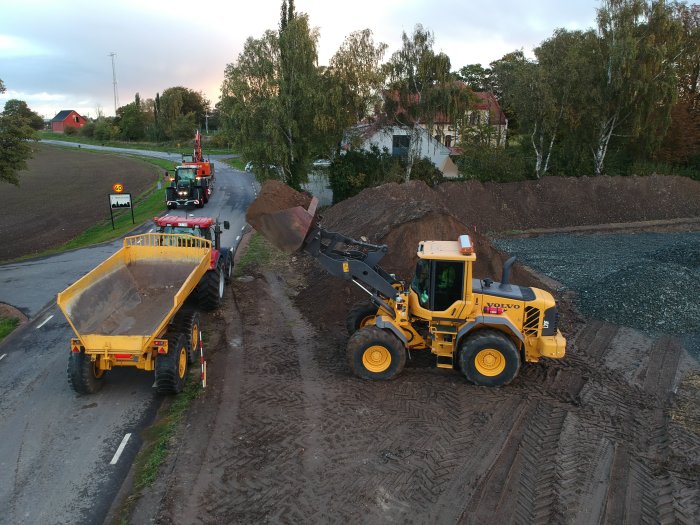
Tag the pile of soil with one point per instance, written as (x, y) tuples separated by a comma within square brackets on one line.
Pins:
[(558, 202)]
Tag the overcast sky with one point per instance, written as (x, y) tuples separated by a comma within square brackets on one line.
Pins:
[(55, 54)]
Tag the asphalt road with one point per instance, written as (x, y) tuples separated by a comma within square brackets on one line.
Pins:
[(63, 457)]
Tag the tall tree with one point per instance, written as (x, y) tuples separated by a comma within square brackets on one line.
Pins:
[(181, 111), (19, 109), (298, 93), (640, 44), (420, 89), (15, 133)]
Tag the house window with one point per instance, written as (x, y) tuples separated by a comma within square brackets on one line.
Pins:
[(77, 119), (400, 145), (448, 140), (474, 117)]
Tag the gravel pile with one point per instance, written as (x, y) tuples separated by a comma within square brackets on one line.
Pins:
[(647, 281)]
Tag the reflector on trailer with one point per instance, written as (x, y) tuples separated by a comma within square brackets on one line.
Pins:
[(465, 245)]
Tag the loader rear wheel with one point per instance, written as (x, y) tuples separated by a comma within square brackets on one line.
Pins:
[(489, 358), (188, 323), (83, 374), (360, 315), (211, 289), (374, 353), (171, 368)]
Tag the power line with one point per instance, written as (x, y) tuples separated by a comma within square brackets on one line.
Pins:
[(114, 82)]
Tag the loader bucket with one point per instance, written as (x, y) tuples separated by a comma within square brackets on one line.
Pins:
[(282, 215)]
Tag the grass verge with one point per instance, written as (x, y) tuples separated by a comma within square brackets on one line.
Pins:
[(7, 324), (235, 162), (260, 253), (158, 444)]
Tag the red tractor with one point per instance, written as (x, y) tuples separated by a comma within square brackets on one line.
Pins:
[(210, 290)]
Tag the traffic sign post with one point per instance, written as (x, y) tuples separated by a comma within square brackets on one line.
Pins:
[(119, 201)]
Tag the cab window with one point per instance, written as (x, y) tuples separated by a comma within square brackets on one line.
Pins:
[(449, 281)]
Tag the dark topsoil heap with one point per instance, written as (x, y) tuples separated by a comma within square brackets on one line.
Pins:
[(402, 215)]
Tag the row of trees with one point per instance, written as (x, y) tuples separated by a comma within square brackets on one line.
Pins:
[(18, 125), (590, 102), (172, 115)]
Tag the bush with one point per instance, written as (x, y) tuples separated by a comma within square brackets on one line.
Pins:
[(88, 130), (485, 163), (349, 174), (70, 131)]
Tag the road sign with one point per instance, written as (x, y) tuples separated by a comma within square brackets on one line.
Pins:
[(120, 201), (118, 188)]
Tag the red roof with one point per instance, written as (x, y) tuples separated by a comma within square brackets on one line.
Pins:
[(183, 222)]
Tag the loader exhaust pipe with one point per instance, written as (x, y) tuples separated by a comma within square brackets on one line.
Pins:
[(505, 276)]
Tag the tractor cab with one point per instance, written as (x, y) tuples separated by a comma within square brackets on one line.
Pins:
[(188, 188)]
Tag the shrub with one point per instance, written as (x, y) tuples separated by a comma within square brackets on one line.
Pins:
[(70, 131)]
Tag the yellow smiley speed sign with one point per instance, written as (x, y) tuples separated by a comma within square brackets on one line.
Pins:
[(118, 188)]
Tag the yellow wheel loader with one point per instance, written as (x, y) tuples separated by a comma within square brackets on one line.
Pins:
[(483, 328)]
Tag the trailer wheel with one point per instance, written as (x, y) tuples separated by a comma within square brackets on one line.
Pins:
[(211, 289), (489, 358), (83, 374), (360, 315), (188, 323), (171, 368), (374, 353)]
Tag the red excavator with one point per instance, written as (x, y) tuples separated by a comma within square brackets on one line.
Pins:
[(205, 167)]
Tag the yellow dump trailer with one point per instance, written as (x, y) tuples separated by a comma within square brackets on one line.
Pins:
[(128, 311)]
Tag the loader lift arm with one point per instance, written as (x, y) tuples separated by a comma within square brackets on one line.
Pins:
[(354, 260)]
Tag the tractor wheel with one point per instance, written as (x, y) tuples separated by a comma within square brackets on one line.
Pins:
[(489, 358), (228, 267), (374, 353), (211, 289), (360, 315), (199, 195), (171, 368), (170, 195), (188, 323), (83, 374)]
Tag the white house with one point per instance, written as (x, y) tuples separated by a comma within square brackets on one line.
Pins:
[(400, 141)]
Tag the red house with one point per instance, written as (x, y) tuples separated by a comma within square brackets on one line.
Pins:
[(65, 119)]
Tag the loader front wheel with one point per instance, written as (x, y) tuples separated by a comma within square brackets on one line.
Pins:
[(489, 358), (188, 322), (83, 373), (171, 368), (360, 315), (374, 353)]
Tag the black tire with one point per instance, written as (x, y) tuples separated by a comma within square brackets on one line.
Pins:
[(171, 368), (188, 323), (228, 267), (374, 353), (199, 195), (83, 375), (489, 358), (360, 315), (170, 195), (211, 289)]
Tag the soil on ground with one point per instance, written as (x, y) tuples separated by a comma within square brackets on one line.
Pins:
[(61, 194), (285, 433)]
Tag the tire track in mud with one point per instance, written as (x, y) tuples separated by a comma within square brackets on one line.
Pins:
[(575, 441)]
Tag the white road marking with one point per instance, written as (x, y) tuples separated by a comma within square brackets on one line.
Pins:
[(243, 228), (238, 238), (2, 357), (45, 321), (120, 450)]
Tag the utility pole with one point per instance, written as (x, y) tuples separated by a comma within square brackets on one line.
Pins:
[(114, 83)]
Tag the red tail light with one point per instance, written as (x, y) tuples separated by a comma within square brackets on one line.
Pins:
[(493, 310)]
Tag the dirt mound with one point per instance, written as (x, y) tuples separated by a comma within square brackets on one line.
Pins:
[(555, 202), (400, 216)]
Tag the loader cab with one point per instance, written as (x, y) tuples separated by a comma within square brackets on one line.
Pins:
[(442, 278)]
